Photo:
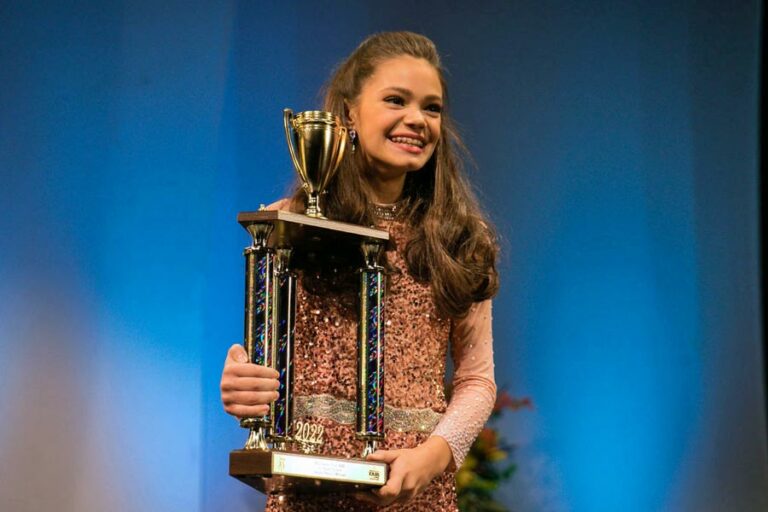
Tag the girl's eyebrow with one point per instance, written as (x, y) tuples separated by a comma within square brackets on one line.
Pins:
[(409, 94)]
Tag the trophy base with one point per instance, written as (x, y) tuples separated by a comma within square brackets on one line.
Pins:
[(277, 472)]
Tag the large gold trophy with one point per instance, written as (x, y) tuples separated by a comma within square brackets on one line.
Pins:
[(278, 455)]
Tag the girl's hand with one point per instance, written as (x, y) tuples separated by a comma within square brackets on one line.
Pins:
[(246, 389), (410, 471)]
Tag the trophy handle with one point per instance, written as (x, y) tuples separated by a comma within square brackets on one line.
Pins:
[(287, 118), (342, 145)]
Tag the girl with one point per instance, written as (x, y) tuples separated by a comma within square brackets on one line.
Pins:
[(403, 175)]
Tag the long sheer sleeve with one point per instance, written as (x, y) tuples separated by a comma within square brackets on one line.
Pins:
[(474, 387)]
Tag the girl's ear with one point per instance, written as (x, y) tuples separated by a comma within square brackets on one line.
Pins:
[(350, 115)]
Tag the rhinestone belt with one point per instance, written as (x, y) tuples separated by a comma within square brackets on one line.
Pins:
[(343, 412)]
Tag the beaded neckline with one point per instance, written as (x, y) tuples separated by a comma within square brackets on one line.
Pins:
[(388, 211)]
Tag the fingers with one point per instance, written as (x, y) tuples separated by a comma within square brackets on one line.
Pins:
[(236, 364), (235, 383), (366, 496), (387, 456), (233, 386), (409, 474), (249, 370), (390, 491), (247, 403), (246, 411), (383, 496), (236, 354), (251, 397), (246, 389), (408, 489)]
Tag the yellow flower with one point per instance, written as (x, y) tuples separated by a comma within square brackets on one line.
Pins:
[(463, 478), (469, 463), (497, 455)]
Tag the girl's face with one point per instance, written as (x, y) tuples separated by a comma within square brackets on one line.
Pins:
[(397, 116)]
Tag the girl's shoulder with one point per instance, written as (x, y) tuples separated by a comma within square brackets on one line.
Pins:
[(284, 204)]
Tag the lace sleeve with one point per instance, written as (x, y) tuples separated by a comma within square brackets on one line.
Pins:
[(474, 387)]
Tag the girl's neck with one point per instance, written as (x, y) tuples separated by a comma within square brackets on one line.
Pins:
[(387, 191)]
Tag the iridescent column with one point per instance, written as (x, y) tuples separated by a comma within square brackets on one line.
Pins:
[(370, 350), (259, 263), (284, 318)]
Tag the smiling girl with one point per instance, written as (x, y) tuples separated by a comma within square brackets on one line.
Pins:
[(403, 175)]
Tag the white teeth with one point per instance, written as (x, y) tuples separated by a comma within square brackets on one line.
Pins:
[(408, 140)]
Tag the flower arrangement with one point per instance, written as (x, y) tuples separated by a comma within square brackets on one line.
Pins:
[(484, 468)]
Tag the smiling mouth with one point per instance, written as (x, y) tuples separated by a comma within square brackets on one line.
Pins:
[(408, 141)]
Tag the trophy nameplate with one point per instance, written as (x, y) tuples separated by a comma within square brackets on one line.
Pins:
[(294, 473)]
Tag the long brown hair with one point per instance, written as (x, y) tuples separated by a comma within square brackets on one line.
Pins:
[(452, 244)]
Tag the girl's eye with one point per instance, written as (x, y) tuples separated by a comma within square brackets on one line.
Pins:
[(397, 100), (435, 107)]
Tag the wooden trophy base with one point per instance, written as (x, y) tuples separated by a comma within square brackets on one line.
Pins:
[(277, 472)]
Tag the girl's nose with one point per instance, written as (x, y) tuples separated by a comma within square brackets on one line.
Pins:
[(415, 117)]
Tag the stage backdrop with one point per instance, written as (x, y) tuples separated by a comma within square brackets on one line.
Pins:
[(616, 148)]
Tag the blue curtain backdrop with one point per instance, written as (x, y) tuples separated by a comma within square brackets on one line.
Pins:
[(617, 150)]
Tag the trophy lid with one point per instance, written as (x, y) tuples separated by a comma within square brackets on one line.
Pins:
[(317, 116)]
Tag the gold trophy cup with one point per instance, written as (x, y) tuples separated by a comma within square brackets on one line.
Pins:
[(316, 140)]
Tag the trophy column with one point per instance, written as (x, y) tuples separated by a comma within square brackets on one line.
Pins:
[(370, 350), (284, 319), (259, 325)]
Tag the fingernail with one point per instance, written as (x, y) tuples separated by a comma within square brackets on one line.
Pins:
[(241, 357)]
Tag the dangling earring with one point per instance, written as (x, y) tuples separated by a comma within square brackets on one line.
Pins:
[(352, 137)]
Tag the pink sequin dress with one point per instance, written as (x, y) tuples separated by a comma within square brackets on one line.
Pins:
[(417, 341)]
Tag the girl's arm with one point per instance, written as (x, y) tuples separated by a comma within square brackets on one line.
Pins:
[(474, 387)]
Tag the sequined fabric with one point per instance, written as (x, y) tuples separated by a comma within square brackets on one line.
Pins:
[(416, 342), (416, 346)]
